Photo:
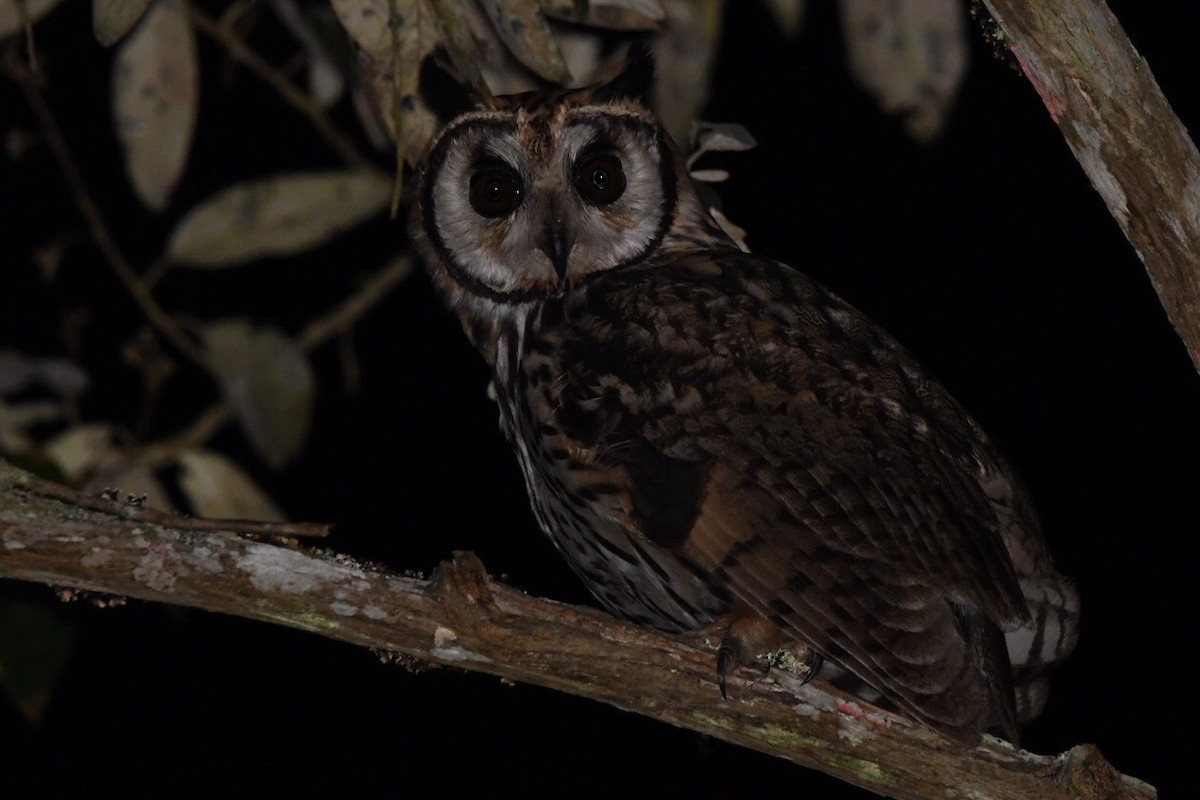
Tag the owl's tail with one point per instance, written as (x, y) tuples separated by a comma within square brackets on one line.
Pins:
[(1049, 638)]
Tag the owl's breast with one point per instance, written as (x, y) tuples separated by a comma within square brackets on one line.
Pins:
[(581, 501)]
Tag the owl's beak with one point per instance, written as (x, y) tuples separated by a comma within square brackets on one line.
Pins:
[(556, 242)]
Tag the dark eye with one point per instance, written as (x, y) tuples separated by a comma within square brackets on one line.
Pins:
[(495, 191), (600, 179)]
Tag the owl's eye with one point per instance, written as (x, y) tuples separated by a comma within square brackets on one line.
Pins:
[(600, 179), (495, 191)]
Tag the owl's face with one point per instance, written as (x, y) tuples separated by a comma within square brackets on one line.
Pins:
[(528, 195)]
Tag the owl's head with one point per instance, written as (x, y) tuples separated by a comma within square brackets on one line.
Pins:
[(526, 195)]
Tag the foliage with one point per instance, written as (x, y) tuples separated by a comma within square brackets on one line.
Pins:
[(351, 78)]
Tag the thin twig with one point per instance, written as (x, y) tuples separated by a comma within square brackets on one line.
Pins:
[(97, 226), (297, 99), (334, 323), (354, 307), (130, 510)]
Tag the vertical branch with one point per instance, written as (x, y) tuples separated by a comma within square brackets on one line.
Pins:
[(1137, 154)]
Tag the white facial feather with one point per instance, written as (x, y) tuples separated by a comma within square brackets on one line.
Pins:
[(506, 254)]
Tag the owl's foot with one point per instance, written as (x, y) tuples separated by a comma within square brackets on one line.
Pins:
[(799, 660), (749, 636)]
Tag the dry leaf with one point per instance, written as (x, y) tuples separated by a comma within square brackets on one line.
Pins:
[(326, 83), (788, 13), (112, 19), (35, 645), (502, 73), (276, 216), (269, 383), (910, 54), (156, 88), (685, 53), (394, 60), (709, 137), (524, 30), (710, 175), (613, 15), (732, 230), (16, 372), (78, 451), (219, 489), (16, 418), (62, 377), (11, 17)]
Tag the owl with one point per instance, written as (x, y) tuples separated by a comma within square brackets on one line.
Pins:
[(709, 437)]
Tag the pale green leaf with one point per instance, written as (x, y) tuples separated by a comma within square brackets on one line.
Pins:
[(709, 137), (910, 55), (18, 372), (614, 15), (219, 489), (524, 30), (732, 230), (79, 450), (276, 216), (35, 642), (156, 90), (710, 175), (11, 17), (112, 19), (393, 56), (267, 380), (788, 13), (685, 51)]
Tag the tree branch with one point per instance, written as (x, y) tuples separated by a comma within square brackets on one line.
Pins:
[(1137, 154), (462, 618)]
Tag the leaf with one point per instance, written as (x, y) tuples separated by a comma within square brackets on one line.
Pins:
[(524, 30), (613, 15), (710, 175), (156, 89), (18, 418), (326, 83), (11, 20), (79, 450), (911, 55), (269, 383), (732, 230), (277, 216), (112, 19), (35, 642), (16, 372), (718, 137), (219, 489), (394, 55), (789, 14), (684, 52), (19, 372)]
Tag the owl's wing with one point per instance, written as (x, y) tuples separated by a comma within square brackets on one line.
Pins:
[(795, 455)]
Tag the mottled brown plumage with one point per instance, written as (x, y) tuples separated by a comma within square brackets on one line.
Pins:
[(704, 431)]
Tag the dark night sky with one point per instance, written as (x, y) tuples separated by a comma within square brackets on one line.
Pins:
[(988, 254)]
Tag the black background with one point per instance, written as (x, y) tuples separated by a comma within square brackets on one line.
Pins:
[(987, 253)]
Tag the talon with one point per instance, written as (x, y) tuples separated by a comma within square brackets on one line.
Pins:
[(814, 666), (800, 660), (725, 659)]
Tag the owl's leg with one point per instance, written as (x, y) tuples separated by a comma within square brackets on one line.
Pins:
[(748, 636)]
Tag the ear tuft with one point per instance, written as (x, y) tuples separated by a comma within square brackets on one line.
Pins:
[(444, 91), (630, 79)]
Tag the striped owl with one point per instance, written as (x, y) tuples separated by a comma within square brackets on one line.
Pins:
[(712, 439)]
